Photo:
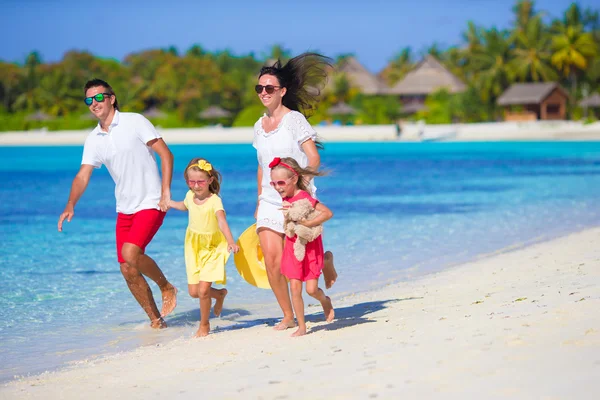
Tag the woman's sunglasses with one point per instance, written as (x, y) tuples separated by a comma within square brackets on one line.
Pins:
[(268, 88), (98, 97)]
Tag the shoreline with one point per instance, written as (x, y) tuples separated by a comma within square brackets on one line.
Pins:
[(496, 325), (410, 132)]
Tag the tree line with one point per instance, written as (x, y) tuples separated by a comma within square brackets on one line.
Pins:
[(535, 48)]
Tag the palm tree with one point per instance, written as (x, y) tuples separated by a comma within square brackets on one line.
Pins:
[(492, 66), (398, 67), (573, 49), (532, 53)]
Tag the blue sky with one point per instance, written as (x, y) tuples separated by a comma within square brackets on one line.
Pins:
[(374, 30)]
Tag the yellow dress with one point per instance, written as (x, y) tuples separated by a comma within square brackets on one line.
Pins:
[(205, 245)]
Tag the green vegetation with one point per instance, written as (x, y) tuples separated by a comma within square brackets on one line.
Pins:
[(534, 49)]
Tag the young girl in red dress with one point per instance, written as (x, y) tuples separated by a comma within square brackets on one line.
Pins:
[(291, 182)]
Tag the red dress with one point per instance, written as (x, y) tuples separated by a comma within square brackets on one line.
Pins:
[(312, 265)]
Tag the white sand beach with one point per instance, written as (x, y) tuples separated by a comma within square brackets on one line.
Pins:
[(410, 132), (522, 324)]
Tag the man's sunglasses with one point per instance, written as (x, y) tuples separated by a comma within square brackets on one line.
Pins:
[(269, 88), (98, 97)]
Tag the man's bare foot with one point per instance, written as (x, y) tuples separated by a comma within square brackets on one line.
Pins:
[(203, 330), (329, 273), (169, 300), (158, 323), (219, 303), (299, 332), (328, 309), (285, 324)]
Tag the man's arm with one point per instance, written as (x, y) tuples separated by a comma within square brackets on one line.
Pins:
[(78, 186), (166, 163)]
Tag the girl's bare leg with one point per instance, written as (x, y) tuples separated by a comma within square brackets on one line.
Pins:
[(329, 273), (312, 288), (217, 294), (271, 244), (298, 302), (205, 303)]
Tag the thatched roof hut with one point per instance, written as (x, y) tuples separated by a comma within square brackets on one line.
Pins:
[(542, 100), (428, 76), (214, 112), (341, 108), (528, 93), (591, 101), (360, 77)]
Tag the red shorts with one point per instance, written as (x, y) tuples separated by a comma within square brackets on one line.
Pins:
[(138, 228)]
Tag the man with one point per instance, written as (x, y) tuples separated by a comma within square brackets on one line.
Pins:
[(125, 143)]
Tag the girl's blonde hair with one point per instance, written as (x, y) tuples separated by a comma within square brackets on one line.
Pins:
[(304, 174), (202, 165)]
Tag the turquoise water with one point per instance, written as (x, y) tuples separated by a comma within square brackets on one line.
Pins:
[(401, 210)]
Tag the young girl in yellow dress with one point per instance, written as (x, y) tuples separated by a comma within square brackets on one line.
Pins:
[(208, 239)]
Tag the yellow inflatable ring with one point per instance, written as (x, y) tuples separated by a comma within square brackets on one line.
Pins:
[(249, 261)]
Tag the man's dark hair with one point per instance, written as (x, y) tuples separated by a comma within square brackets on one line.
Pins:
[(99, 82)]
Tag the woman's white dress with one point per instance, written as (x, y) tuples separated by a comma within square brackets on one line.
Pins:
[(284, 141)]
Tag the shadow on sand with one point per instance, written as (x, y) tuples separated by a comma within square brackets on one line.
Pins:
[(348, 316)]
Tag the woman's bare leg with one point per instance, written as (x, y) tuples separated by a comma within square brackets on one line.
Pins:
[(271, 243)]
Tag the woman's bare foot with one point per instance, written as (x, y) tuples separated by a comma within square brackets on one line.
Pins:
[(219, 303), (158, 323), (285, 324), (203, 330), (329, 273), (169, 300), (299, 332), (328, 309)]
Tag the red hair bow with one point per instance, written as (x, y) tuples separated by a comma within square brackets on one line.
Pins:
[(275, 162)]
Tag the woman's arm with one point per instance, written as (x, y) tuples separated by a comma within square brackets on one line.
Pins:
[(259, 182), (224, 227), (325, 215), (178, 205), (312, 153)]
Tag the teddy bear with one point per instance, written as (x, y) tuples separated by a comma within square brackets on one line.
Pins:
[(298, 211)]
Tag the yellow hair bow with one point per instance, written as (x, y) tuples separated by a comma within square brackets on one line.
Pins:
[(203, 165)]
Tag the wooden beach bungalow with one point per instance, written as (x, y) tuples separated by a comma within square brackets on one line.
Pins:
[(427, 77), (534, 101)]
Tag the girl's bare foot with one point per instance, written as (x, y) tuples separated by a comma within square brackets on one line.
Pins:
[(158, 323), (299, 332), (203, 330), (328, 309), (285, 324), (329, 273), (169, 300), (219, 303)]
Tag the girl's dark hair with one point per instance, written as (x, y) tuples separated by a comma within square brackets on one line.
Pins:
[(99, 82), (304, 77), (304, 174), (215, 185)]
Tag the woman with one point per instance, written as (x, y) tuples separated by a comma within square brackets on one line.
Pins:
[(289, 92)]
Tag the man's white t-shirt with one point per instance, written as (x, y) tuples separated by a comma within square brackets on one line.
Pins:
[(130, 162)]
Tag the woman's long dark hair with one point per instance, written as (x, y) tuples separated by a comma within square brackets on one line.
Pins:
[(304, 77)]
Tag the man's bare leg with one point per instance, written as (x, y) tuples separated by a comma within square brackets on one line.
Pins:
[(135, 258), (271, 244), (329, 273), (142, 293)]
